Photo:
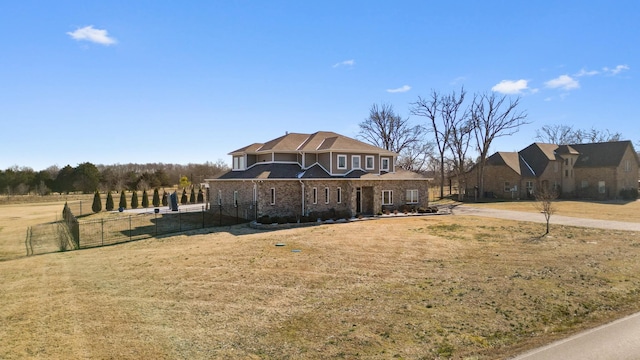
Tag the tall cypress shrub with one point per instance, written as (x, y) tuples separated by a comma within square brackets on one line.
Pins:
[(134, 200), (156, 198), (145, 199), (183, 198), (97, 203), (200, 196), (109, 205), (165, 199), (123, 200), (192, 198)]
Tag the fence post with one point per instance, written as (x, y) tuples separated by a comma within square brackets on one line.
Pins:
[(102, 230), (220, 215), (80, 207), (27, 241), (237, 215), (130, 235), (155, 220), (180, 219), (203, 216)]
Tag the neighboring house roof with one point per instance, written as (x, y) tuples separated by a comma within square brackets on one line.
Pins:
[(533, 160), (605, 154), (321, 141)]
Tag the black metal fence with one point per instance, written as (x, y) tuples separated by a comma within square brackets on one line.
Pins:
[(74, 233)]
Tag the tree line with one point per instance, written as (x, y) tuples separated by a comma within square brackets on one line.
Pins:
[(87, 177), (451, 125)]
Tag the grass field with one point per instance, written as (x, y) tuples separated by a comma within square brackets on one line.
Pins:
[(416, 287)]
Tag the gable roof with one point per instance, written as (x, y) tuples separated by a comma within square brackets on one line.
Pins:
[(273, 171), (605, 154), (321, 141), (537, 156)]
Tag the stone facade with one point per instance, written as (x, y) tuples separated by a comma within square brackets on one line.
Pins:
[(303, 197)]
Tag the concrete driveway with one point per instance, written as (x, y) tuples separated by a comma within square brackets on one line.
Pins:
[(619, 340), (539, 217)]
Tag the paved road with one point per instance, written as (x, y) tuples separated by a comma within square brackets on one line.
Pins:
[(619, 340), (539, 217)]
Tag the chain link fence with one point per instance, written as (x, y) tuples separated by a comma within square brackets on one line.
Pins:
[(74, 233)]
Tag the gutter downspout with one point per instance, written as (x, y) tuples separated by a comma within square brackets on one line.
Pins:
[(302, 185), (255, 199)]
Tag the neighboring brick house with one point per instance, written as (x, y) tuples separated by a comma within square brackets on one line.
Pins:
[(299, 174), (595, 171)]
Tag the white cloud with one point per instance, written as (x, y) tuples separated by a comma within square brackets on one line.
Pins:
[(564, 82), (88, 33), (402, 89), (584, 72), (510, 86), (616, 70), (350, 62), (459, 79)]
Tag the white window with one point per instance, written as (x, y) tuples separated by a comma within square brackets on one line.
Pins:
[(529, 186), (314, 194), (273, 196), (412, 196), (387, 197), (369, 161), (342, 161), (235, 198), (355, 161), (507, 186), (601, 187), (338, 195), (384, 164), (627, 165), (219, 197), (585, 184), (326, 195), (238, 163)]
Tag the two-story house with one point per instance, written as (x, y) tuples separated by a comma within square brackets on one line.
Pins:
[(594, 171), (298, 174)]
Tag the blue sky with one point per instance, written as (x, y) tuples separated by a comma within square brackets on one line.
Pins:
[(187, 82)]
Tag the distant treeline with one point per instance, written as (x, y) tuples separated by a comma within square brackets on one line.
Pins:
[(87, 177)]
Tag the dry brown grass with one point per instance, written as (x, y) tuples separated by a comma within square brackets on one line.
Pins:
[(612, 210), (417, 287), (16, 218)]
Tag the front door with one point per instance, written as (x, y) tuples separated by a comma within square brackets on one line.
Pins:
[(367, 200)]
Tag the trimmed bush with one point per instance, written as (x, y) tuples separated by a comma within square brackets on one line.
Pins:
[(200, 196), (156, 198), (134, 200), (97, 203), (109, 205), (183, 198), (192, 198), (165, 198), (629, 194), (123, 200), (145, 199)]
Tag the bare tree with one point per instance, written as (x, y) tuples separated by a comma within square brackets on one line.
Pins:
[(459, 136), (384, 128), (564, 135), (545, 203), (593, 136), (417, 157), (555, 134), (493, 117), (439, 125)]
